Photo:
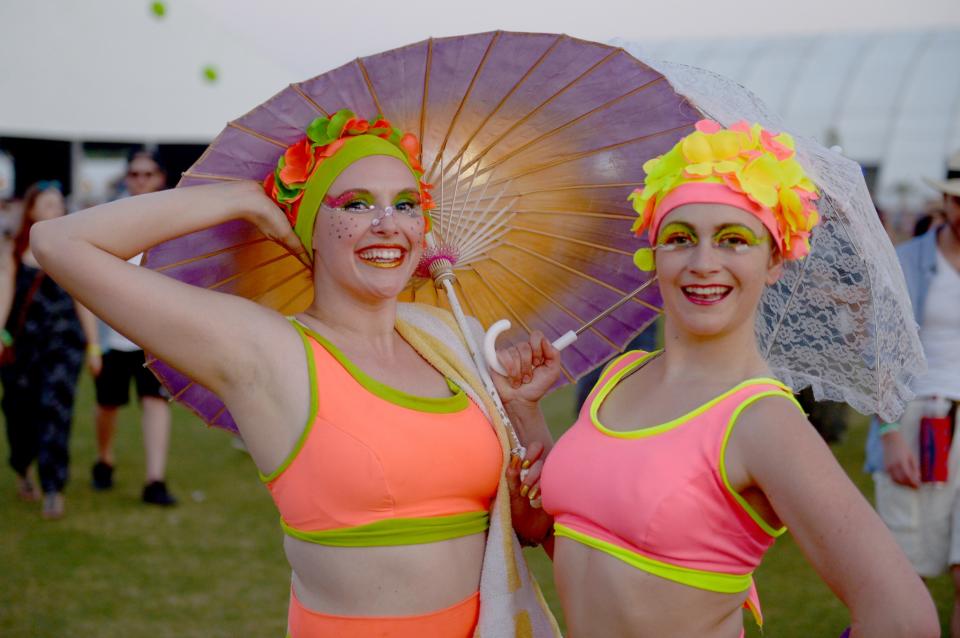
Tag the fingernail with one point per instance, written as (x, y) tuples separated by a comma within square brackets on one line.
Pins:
[(514, 461), (526, 464), (524, 490), (533, 493)]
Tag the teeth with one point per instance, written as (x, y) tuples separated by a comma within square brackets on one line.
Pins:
[(705, 291), (381, 254)]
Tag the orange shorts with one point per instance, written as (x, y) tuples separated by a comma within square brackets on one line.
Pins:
[(457, 621)]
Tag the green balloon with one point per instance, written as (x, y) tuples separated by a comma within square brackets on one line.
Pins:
[(159, 9), (210, 73)]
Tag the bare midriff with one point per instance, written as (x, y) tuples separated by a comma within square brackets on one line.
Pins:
[(603, 596), (385, 581)]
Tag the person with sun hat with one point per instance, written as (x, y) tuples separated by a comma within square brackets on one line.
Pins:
[(923, 515)]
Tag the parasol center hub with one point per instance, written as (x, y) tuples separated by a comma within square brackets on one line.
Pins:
[(441, 270)]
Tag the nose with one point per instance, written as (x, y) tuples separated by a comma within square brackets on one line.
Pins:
[(384, 221), (704, 259)]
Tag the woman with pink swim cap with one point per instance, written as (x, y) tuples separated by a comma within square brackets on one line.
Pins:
[(685, 464)]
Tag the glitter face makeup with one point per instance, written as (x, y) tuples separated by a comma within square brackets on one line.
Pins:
[(361, 202)]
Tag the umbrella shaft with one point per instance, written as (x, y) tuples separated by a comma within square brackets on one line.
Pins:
[(515, 444), (606, 313)]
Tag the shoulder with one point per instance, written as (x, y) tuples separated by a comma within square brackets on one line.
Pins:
[(769, 416), (912, 248)]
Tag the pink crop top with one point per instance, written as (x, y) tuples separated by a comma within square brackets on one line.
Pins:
[(658, 498), (376, 466)]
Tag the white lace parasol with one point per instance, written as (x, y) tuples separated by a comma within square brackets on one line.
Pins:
[(840, 320)]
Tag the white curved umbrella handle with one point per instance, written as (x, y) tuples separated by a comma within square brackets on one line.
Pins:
[(498, 328)]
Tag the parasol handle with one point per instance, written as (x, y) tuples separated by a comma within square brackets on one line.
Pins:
[(498, 328), (490, 338)]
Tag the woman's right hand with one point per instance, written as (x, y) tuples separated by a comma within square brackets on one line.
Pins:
[(532, 367), (263, 213), (899, 461)]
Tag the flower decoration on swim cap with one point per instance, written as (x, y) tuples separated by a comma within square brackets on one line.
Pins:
[(309, 164), (744, 166)]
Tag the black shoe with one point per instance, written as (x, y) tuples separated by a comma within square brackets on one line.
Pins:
[(102, 476), (155, 493)]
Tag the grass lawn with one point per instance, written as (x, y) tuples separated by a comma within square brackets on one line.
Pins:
[(213, 566)]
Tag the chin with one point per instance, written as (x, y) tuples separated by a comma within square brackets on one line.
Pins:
[(701, 322)]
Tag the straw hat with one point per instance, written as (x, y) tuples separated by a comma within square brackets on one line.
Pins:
[(951, 185)]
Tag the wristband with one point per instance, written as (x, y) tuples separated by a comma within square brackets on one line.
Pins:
[(94, 348), (889, 427), (6, 338)]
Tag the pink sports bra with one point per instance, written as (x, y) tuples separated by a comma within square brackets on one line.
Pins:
[(377, 466), (658, 498)]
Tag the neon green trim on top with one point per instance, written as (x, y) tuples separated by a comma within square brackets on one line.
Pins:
[(353, 149), (669, 425), (311, 416), (723, 450), (438, 405), (613, 364), (397, 531), (701, 579)]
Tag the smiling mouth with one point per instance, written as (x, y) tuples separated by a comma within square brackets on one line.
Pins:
[(382, 256), (706, 295)]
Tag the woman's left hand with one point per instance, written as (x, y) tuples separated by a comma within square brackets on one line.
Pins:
[(533, 367), (531, 523)]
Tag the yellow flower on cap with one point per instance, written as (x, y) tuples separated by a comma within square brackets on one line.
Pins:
[(748, 160)]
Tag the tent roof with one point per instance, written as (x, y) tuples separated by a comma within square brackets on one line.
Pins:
[(112, 70)]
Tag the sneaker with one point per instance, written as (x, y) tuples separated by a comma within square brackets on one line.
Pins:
[(155, 493), (102, 474), (53, 506)]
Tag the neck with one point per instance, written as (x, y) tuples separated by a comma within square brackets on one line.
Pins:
[(727, 359), (355, 321), (949, 243)]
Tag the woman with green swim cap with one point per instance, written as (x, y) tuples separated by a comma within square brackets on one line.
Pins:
[(363, 415)]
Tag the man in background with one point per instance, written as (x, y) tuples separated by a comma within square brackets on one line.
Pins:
[(123, 361), (924, 517)]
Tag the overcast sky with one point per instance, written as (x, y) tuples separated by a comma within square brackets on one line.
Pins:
[(312, 35)]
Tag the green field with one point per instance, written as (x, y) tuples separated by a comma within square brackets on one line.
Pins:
[(213, 566)]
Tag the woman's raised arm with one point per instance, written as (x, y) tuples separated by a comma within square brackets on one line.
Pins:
[(195, 330)]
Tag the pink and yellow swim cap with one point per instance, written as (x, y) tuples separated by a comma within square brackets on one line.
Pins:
[(744, 166)]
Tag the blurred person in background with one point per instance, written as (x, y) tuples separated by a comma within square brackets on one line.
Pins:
[(123, 361), (43, 351), (924, 515)]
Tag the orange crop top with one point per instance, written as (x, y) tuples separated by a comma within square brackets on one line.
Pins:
[(377, 466)]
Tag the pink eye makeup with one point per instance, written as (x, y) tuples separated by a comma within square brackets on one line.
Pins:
[(406, 204), (350, 200)]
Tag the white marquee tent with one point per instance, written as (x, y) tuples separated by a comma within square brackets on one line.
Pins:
[(104, 70), (112, 70), (890, 100)]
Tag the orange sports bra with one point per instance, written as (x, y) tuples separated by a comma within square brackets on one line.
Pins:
[(377, 466)]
